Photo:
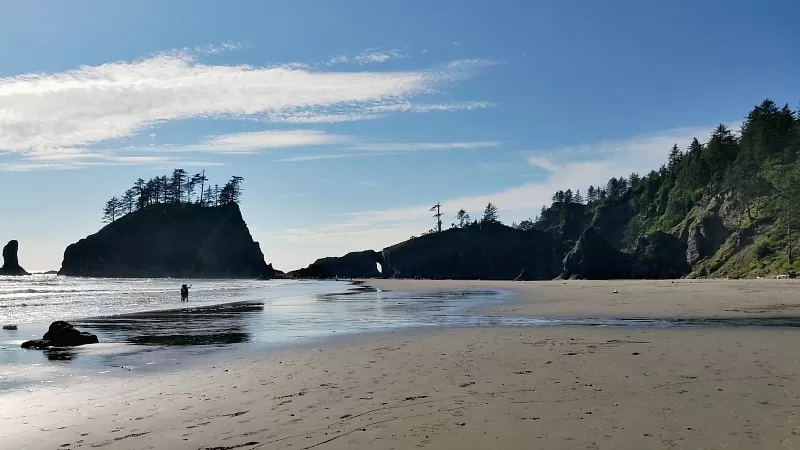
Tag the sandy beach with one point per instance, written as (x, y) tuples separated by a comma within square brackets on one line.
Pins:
[(474, 388)]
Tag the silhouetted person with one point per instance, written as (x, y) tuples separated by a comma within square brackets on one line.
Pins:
[(185, 293)]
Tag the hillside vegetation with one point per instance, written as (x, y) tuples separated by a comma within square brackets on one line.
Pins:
[(733, 200)]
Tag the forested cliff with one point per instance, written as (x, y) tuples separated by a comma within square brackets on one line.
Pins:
[(726, 206), (733, 201)]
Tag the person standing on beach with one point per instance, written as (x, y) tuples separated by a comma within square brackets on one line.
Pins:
[(185, 293)]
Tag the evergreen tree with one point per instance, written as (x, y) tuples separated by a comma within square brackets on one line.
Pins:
[(462, 217), (591, 194), (490, 214), (128, 201), (578, 197), (111, 210)]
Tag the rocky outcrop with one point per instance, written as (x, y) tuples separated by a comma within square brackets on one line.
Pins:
[(352, 265), (705, 237), (593, 258), (656, 256), (11, 260), (61, 334), (170, 240), (490, 251)]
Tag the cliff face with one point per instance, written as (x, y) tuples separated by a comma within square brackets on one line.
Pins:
[(11, 261), (170, 240)]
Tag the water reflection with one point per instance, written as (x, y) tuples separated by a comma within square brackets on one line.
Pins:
[(208, 325)]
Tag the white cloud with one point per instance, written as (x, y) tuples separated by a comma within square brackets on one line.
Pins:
[(369, 56), (260, 140), (116, 100)]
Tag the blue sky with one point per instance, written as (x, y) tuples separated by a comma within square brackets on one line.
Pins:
[(348, 119)]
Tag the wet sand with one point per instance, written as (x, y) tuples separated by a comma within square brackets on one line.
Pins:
[(634, 298), (473, 388)]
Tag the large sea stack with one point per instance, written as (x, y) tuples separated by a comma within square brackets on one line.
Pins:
[(170, 240), (11, 260)]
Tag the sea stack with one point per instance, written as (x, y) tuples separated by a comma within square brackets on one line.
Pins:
[(170, 240), (11, 261)]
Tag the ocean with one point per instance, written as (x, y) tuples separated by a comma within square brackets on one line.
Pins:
[(143, 325)]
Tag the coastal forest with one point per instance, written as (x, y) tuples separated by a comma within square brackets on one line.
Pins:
[(179, 187)]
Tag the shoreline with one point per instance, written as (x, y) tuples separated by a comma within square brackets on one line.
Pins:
[(634, 299)]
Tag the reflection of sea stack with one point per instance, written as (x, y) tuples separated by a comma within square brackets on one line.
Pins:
[(10, 261)]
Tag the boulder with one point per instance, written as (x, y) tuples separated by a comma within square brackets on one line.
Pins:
[(62, 334), (11, 261)]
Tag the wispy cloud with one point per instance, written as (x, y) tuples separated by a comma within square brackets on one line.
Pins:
[(369, 56), (260, 140), (423, 146), (365, 149), (71, 159), (116, 100), (374, 112), (333, 156)]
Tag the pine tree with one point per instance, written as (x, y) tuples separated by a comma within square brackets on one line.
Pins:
[(490, 214)]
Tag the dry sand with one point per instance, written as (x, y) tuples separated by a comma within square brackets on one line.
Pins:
[(480, 388)]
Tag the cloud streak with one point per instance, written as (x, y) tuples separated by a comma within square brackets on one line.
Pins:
[(374, 112), (369, 56), (92, 104)]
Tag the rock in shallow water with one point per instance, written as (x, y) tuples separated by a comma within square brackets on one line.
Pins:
[(62, 334)]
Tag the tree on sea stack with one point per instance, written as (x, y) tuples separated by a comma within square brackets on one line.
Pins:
[(177, 188), (111, 210)]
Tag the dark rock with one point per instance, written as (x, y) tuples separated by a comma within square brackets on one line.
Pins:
[(170, 240), (37, 343), (656, 256), (659, 255), (62, 334), (352, 265), (705, 238), (593, 258), (9, 327), (11, 261)]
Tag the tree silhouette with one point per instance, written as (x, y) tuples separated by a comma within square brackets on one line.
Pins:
[(490, 214), (462, 217), (111, 210)]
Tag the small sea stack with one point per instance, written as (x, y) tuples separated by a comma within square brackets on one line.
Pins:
[(11, 261)]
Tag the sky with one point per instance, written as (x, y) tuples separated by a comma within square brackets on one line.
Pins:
[(349, 119)]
